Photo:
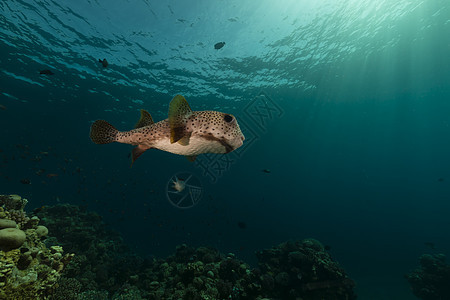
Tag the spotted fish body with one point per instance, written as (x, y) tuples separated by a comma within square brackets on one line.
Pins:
[(185, 132)]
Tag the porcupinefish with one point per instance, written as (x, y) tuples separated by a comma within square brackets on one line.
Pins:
[(185, 132)]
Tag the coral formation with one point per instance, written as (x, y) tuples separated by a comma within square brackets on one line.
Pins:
[(102, 261), (201, 273), (28, 269), (12, 208), (104, 268), (5, 223), (430, 281), (11, 238), (302, 269)]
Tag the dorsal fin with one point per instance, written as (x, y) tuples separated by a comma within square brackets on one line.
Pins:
[(179, 112), (145, 119)]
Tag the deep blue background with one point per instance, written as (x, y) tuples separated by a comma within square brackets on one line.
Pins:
[(359, 157)]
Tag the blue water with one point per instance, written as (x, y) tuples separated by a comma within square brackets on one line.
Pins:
[(354, 130)]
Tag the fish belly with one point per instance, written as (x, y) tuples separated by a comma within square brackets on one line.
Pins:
[(196, 146)]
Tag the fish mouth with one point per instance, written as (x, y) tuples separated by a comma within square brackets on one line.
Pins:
[(239, 142), (229, 147), (242, 140)]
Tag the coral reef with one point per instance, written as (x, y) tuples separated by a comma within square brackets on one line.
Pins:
[(104, 268), (12, 208), (430, 281), (292, 270), (201, 273), (102, 263), (302, 270), (28, 269)]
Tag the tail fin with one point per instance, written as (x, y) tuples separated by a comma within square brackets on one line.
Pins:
[(103, 133)]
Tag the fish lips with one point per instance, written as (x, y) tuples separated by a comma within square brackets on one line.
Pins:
[(238, 142), (241, 142)]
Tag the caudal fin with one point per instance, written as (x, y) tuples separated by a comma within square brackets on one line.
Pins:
[(103, 133)]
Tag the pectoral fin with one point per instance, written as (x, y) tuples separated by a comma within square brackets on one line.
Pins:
[(136, 152), (191, 158), (184, 141), (179, 112)]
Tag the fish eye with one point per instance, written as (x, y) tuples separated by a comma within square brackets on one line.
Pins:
[(228, 118)]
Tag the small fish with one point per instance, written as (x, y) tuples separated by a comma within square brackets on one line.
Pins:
[(219, 45), (430, 245), (266, 171), (39, 209), (50, 175), (104, 62), (2, 107), (185, 132), (46, 72), (242, 225), (40, 172), (440, 179), (25, 181)]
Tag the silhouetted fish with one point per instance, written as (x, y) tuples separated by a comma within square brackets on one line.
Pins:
[(25, 181), (266, 171), (40, 172), (104, 62), (219, 45), (242, 225), (39, 209), (46, 72), (430, 245)]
